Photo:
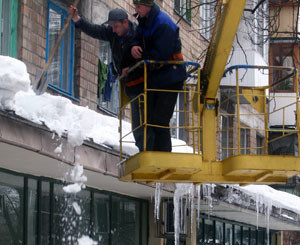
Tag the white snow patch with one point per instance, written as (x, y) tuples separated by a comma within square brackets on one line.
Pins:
[(76, 208), (85, 240)]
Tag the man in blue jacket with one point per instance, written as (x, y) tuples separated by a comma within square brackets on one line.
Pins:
[(120, 33), (158, 39)]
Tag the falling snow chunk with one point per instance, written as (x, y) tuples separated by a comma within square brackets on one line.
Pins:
[(58, 149), (85, 240), (72, 188), (76, 208)]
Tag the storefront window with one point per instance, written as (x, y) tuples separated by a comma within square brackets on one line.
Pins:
[(101, 215), (237, 235), (11, 209), (32, 212), (228, 234), (125, 222), (219, 233), (246, 236), (208, 231)]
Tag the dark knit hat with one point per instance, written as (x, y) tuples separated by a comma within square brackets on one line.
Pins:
[(144, 2), (116, 15)]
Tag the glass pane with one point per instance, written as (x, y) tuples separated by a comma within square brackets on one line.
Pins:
[(219, 233), (69, 224), (5, 27), (125, 221), (245, 236), (45, 213), (282, 56), (11, 209), (144, 224), (261, 237), (101, 218), (253, 236), (237, 235), (53, 33), (32, 211), (228, 234), (200, 232), (111, 105), (208, 231)]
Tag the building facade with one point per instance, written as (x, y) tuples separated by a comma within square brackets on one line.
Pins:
[(33, 207)]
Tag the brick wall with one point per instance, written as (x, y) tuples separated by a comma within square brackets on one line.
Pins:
[(32, 41), (32, 35)]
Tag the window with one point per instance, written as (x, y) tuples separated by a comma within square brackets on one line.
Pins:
[(259, 145), (237, 235), (183, 8), (177, 119), (108, 94), (219, 233), (245, 141), (209, 231), (12, 206), (260, 25), (8, 25), (228, 234), (60, 72), (225, 136), (207, 10), (282, 55), (48, 213), (246, 236)]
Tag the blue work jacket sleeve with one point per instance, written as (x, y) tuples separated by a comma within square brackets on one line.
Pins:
[(162, 43), (102, 32)]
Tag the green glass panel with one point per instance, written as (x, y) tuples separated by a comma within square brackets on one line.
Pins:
[(11, 209), (124, 221), (101, 219), (32, 212), (13, 28)]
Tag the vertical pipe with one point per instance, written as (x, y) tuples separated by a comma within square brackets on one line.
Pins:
[(145, 105), (238, 111), (297, 109), (120, 118), (199, 111), (25, 212), (266, 117)]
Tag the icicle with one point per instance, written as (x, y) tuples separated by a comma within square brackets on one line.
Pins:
[(257, 210), (198, 204), (268, 213), (192, 197), (158, 188), (180, 209)]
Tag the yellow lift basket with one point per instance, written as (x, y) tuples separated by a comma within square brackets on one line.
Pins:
[(205, 161)]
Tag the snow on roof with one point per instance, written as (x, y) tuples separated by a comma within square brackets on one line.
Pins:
[(60, 115)]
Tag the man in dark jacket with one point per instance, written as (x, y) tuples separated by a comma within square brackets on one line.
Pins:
[(158, 39), (120, 33)]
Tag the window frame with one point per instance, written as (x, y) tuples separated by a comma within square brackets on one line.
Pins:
[(206, 25), (64, 15), (178, 8), (294, 53), (12, 31)]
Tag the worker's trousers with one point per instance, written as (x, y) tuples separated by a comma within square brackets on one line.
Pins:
[(160, 108)]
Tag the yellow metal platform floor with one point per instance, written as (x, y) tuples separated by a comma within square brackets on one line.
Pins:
[(150, 166)]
